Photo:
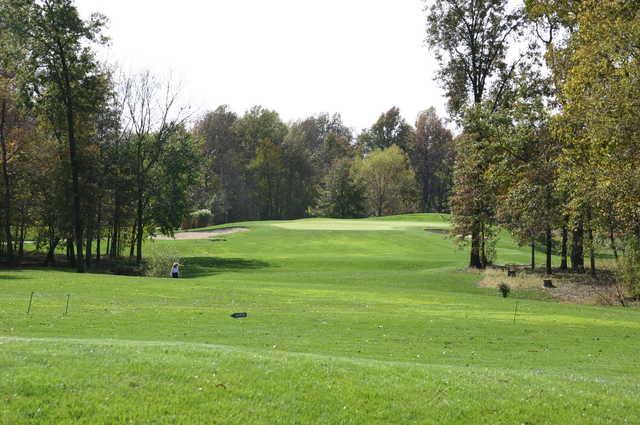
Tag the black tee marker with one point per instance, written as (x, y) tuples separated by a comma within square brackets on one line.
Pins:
[(239, 315)]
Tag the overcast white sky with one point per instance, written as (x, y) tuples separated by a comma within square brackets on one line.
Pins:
[(299, 57)]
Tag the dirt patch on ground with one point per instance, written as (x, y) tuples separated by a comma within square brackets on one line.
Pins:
[(602, 289), (203, 234)]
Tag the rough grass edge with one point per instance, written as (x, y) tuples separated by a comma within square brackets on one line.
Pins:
[(604, 289)]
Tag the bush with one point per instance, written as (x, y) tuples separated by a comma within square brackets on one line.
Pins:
[(197, 219), (159, 258), (504, 289)]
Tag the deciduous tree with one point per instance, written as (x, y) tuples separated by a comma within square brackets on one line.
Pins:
[(388, 180), (59, 75), (341, 195), (432, 156), (471, 40)]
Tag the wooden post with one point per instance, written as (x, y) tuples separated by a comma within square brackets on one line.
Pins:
[(30, 300)]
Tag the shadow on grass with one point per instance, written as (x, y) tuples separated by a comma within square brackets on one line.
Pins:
[(192, 267), (207, 266), (12, 277)]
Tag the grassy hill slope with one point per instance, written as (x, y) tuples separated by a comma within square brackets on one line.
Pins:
[(350, 322)]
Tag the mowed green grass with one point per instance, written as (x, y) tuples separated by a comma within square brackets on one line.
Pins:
[(350, 322)]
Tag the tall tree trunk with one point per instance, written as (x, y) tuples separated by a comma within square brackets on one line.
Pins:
[(475, 260), (483, 252), (612, 240), (114, 250), (71, 256), (89, 247), (533, 255), (23, 232), (77, 225), (140, 228), (73, 159), (99, 232), (565, 241), (549, 241), (577, 249), (16, 237), (98, 245), (90, 220), (140, 177), (592, 254), (53, 244), (7, 184), (108, 247), (592, 260), (132, 251)]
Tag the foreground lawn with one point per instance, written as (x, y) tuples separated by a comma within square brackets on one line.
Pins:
[(350, 322)]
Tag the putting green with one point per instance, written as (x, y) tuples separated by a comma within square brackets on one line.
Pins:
[(413, 221)]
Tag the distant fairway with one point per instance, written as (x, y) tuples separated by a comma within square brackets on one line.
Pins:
[(423, 221), (368, 321)]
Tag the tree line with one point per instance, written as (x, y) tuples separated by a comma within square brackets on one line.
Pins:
[(546, 94), (256, 167), (95, 161), (89, 158)]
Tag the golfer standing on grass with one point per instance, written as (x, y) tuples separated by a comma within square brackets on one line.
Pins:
[(175, 270)]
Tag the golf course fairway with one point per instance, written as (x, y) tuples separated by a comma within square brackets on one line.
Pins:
[(371, 321)]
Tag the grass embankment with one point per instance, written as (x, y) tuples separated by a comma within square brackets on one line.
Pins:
[(359, 321)]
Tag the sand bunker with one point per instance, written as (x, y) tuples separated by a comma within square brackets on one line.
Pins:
[(203, 234)]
